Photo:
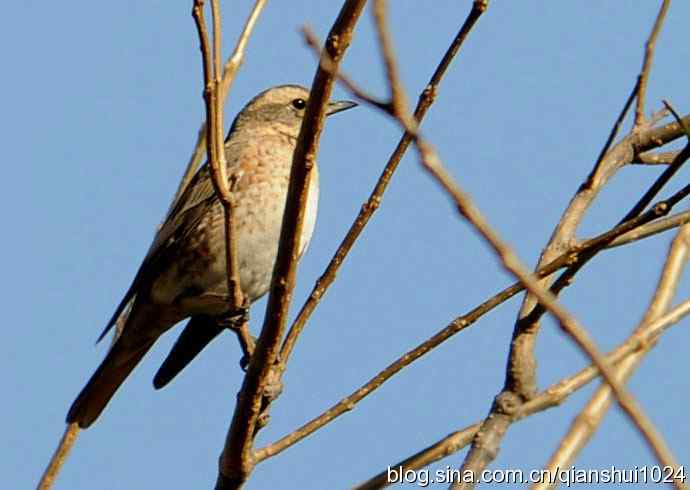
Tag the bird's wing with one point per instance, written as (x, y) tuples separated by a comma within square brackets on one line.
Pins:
[(195, 200)]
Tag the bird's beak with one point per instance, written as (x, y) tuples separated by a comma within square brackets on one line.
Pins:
[(339, 106)]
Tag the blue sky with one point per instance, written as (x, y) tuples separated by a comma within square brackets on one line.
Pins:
[(101, 107)]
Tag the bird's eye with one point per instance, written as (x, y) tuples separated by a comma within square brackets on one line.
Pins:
[(299, 103)]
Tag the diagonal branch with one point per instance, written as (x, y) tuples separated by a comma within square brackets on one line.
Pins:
[(649, 49), (215, 148), (236, 461), (69, 437), (426, 99), (652, 158), (72, 431), (653, 228)]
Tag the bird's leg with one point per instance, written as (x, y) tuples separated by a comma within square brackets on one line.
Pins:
[(238, 322)]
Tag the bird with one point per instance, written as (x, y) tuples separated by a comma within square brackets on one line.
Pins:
[(184, 273)]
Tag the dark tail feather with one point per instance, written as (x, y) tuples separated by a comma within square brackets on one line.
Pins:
[(197, 334), (112, 372)]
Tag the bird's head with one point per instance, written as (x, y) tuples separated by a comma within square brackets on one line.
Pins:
[(284, 106)]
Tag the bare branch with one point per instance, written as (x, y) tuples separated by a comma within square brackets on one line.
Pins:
[(657, 137), (234, 62), (659, 183), (328, 65), (211, 60), (398, 99), (647, 63), (232, 65), (368, 209), (652, 158), (450, 444), (236, 461), (59, 457), (614, 132), (653, 228)]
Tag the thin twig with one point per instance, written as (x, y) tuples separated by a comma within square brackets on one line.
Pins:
[(398, 99), (72, 431), (655, 158), (368, 209), (567, 322), (59, 457), (657, 137), (327, 64), (566, 277), (520, 376), (230, 69), (659, 183), (211, 56), (683, 124), (653, 228), (236, 461), (234, 62), (647, 63), (667, 174), (613, 133)]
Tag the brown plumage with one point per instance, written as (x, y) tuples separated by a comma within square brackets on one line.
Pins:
[(184, 273)]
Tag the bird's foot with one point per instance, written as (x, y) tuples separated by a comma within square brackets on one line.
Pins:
[(238, 322)]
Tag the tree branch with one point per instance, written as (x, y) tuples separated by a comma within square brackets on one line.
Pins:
[(649, 49), (236, 461), (426, 99), (232, 65)]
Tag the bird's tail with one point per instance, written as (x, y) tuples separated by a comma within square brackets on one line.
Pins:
[(141, 330), (197, 334), (105, 381)]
